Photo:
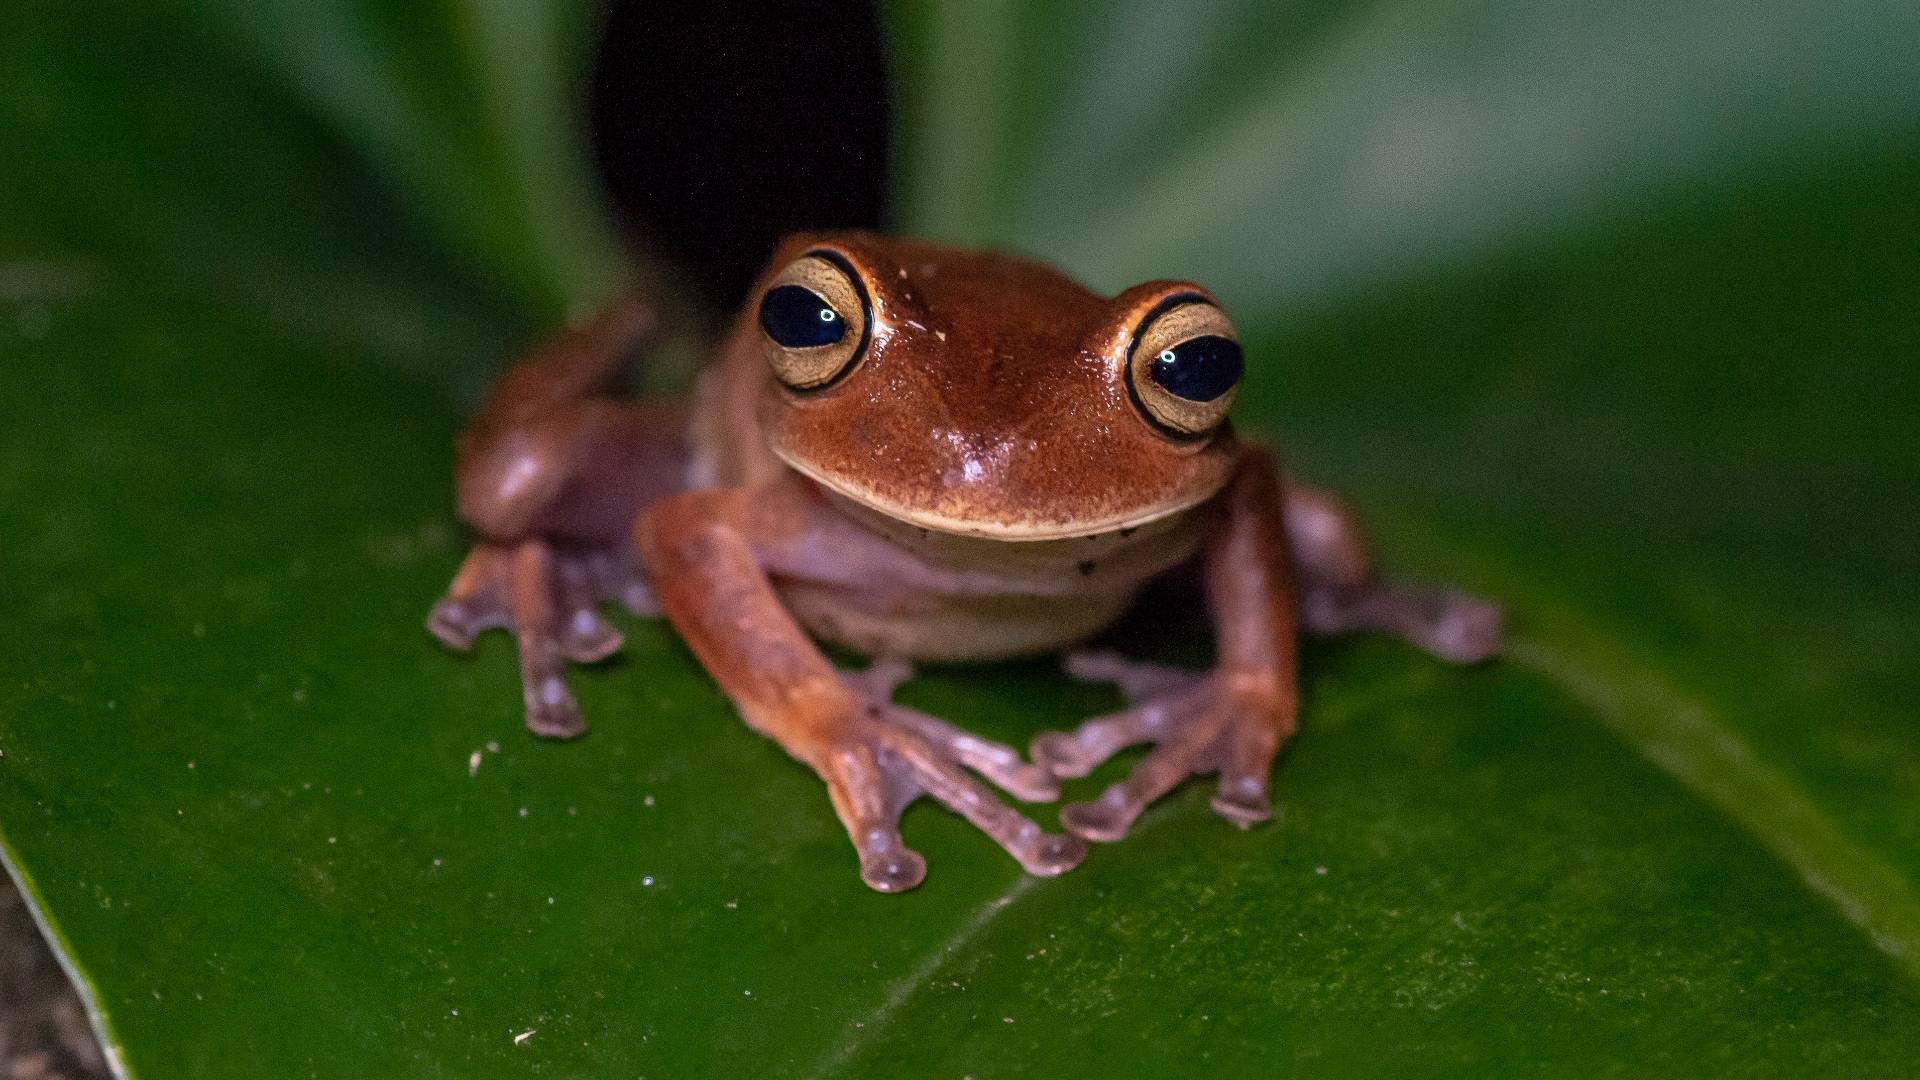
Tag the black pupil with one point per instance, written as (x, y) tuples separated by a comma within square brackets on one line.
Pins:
[(1198, 369), (796, 317)]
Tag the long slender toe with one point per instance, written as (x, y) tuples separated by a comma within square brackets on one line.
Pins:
[(1085, 748), (1103, 820), (1064, 755), (1138, 680), (1455, 627), (1038, 851), (1028, 783)]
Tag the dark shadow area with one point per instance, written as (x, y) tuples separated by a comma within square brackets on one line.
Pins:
[(720, 127)]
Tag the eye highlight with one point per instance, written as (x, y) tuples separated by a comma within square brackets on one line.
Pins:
[(1185, 366), (814, 321)]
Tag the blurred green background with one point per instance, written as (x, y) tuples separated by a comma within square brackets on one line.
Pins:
[(1606, 309)]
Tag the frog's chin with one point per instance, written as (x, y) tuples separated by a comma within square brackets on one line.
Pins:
[(996, 528)]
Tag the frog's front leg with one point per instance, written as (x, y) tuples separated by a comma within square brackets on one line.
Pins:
[(702, 551), (1231, 720)]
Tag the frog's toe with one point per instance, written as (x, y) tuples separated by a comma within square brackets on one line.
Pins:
[(458, 622), (472, 604), (997, 762), (891, 757), (1467, 630), (1244, 804), (1455, 627), (590, 576), (1103, 820), (1055, 853), (1108, 817), (1065, 753), (549, 597), (880, 678), (869, 797), (1038, 851), (551, 711), (589, 638), (1087, 747), (889, 866), (1138, 680), (1203, 728)]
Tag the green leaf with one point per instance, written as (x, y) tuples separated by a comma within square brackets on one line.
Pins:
[(474, 109), (1651, 385)]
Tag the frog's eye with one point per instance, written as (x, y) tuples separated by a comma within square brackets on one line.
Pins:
[(1184, 369), (813, 321)]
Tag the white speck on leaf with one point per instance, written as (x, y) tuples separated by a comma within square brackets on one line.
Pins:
[(523, 1036), (473, 763)]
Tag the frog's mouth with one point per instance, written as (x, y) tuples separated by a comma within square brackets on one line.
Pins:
[(992, 527)]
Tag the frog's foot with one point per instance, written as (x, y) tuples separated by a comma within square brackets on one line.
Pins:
[(549, 596), (1199, 723), (1453, 626), (880, 762)]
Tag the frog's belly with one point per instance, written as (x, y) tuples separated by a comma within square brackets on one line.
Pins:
[(921, 626)]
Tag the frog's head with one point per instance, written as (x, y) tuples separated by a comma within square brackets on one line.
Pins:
[(986, 395)]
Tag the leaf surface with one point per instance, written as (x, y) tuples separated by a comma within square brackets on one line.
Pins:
[(1652, 387)]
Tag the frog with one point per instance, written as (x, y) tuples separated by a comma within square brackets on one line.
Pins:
[(926, 453)]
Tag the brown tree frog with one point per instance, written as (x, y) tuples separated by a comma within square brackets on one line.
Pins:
[(926, 453)]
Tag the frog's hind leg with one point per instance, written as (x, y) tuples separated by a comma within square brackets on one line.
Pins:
[(552, 475), (480, 597), (1341, 591)]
